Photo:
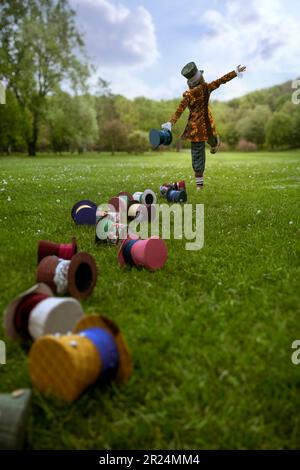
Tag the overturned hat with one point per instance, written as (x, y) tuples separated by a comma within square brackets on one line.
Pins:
[(62, 250), (14, 414), (36, 312), (66, 365), (177, 185), (161, 137), (141, 212), (84, 212), (76, 277), (173, 195), (109, 230), (119, 203), (150, 254), (126, 196), (145, 197)]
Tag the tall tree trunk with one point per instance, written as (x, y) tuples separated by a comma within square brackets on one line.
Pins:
[(33, 141)]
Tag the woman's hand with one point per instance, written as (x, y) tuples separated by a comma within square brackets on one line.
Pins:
[(240, 69)]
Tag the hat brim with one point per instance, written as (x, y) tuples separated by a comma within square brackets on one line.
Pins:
[(82, 275), (9, 314), (124, 370)]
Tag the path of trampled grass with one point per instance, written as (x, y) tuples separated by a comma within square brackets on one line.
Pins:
[(210, 334)]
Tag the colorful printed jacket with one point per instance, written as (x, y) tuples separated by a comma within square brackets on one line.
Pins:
[(200, 125)]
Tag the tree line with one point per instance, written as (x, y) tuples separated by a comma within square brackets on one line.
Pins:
[(41, 51)]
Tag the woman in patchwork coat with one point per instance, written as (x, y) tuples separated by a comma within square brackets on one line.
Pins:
[(200, 127)]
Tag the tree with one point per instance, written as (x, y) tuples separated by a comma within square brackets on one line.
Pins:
[(279, 131), (252, 124), (114, 135), (38, 40)]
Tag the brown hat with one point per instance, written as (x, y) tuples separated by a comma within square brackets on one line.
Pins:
[(76, 277)]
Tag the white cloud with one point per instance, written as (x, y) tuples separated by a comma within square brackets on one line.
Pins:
[(115, 35), (262, 34)]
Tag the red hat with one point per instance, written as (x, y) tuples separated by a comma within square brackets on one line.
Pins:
[(77, 276), (36, 312), (64, 251), (151, 253)]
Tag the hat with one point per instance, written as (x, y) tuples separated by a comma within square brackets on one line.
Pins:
[(110, 231), (126, 196), (142, 212), (161, 137), (66, 365), (36, 312), (164, 189), (145, 197), (64, 251), (173, 195), (84, 212), (151, 253), (14, 412), (119, 203), (76, 277)]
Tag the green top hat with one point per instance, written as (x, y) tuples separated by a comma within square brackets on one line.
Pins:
[(14, 412), (190, 70)]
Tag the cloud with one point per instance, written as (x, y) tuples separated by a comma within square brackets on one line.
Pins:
[(115, 35)]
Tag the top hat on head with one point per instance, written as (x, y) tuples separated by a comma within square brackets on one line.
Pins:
[(66, 365), (191, 73), (62, 250), (161, 137), (76, 277), (36, 312), (145, 197), (84, 212), (151, 253), (14, 412)]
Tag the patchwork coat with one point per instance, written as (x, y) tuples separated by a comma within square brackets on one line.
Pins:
[(200, 126)]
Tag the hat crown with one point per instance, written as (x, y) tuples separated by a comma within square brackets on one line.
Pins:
[(189, 70)]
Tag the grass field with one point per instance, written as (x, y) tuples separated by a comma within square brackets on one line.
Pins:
[(210, 334)]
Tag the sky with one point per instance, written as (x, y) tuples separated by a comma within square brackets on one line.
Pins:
[(140, 46)]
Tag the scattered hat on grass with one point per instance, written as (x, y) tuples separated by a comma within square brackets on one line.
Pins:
[(119, 204), (151, 253), (64, 251), (141, 212), (66, 365), (36, 312), (14, 413), (178, 185), (126, 196), (145, 197), (77, 276), (110, 231), (84, 212), (176, 196), (161, 137)]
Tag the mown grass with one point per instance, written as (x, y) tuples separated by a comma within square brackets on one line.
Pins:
[(210, 334)]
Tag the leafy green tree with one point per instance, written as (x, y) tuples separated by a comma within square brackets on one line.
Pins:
[(15, 124), (252, 125), (280, 131), (38, 40)]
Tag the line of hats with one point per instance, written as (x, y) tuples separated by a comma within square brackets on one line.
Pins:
[(174, 192), (111, 227), (70, 350)]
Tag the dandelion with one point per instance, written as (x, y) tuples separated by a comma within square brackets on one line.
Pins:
[(258, 212), (9, 199), (291, 222), (58, 200)]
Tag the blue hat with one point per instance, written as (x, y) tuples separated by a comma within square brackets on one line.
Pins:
[(84, 212), (176, 196), (161, 137)]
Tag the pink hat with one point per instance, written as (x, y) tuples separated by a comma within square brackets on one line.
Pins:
[(150, 254)]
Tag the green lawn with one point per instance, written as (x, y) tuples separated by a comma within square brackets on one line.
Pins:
[(210, 334)]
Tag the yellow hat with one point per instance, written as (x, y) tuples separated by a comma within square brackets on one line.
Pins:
[(66, 365)]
